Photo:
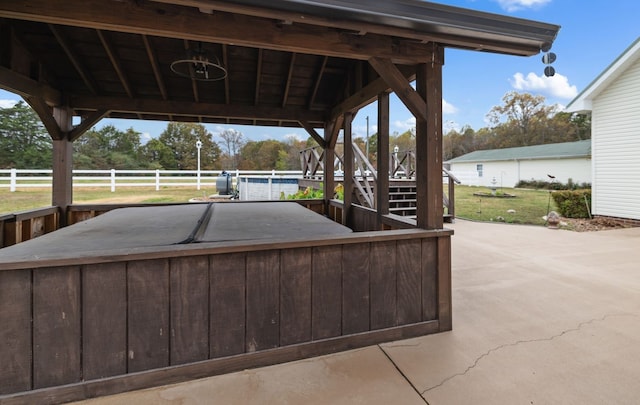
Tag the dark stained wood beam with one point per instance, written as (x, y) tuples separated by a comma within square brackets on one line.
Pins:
[(178, 108), (429, 191), (348, 183), (287, 86), (45, 113), (86, 123), (361, 28), (171, 21), (382, 186), (225, 61), (194, 83), (396, 80), (331, 135), (74, 58), (115, 62), (153, 60), (258, 78), (27, 87), (316, 86), (368, 94), (314, 134)]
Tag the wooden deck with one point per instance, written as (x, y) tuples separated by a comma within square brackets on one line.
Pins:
[(95, 324)]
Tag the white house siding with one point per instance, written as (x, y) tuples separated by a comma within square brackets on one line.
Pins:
[(507, 173), (578, 170), (616, 147)]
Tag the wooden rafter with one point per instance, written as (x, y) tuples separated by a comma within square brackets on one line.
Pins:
[(314, 134), (115, 61), (394, 78), (316, 85), (287, 85), (225, 61), (194, 83), (153, 60), (45, 114), (189, 23), (86, 123), (74, 58), (258, 77), (26, 86)]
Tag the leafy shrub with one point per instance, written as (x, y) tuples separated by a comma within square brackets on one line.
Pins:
[(546, 185), (314, 194), (306, 194), (572, 204)]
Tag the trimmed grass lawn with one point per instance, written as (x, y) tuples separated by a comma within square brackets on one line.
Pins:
[(529, 205), (26, 199)]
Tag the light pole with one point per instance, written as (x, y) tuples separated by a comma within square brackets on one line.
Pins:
[(367, 147), (198, 146)]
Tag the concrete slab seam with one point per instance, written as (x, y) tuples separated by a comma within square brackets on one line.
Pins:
[(403, 375)]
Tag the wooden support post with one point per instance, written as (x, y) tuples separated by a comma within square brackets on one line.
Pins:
[(347, 212), (329, 156), (62, 184), (382, 188), (429, 144)]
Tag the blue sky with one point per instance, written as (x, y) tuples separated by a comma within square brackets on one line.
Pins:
[(593, 34)]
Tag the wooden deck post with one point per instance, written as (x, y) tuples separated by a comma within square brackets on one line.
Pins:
[(328, 176), (62, 181), (382, 187), (347, 212), (429, 143)]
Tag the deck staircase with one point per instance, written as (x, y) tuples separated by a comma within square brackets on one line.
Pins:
[(402, 199)]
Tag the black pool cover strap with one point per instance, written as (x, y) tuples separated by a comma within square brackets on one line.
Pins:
[(200, 227)]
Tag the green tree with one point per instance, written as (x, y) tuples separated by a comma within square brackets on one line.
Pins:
[(158, 155), (181, 138), (24, 142), (264, 155), (108, 148)]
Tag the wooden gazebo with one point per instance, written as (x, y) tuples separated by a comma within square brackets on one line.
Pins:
[(288, 63)]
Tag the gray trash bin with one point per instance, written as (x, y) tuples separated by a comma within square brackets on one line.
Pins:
[(223, 184)]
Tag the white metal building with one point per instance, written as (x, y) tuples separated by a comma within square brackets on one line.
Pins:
[(506, 167), (613, 99)]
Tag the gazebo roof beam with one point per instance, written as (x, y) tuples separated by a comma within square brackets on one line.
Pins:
[(190, 24), (418, 20), (184, 108)]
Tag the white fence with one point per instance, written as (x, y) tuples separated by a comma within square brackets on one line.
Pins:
[(24, 178)]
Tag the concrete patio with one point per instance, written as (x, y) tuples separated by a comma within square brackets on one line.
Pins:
[(540, 317)]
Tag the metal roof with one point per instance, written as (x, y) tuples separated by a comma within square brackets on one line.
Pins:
[(562, 150), (449, 25)]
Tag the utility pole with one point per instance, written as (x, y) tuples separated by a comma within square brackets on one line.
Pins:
[(367, 144)]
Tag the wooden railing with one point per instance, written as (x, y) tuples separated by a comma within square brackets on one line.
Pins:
[(401, 166), (24, 225)]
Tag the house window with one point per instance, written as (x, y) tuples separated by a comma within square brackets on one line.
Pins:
[(479, 169)]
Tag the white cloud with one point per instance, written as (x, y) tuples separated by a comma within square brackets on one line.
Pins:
[(8, 103), (406, 124), (292, 137), (145, 137), (556, 86), (448, 108), (515, 5)]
